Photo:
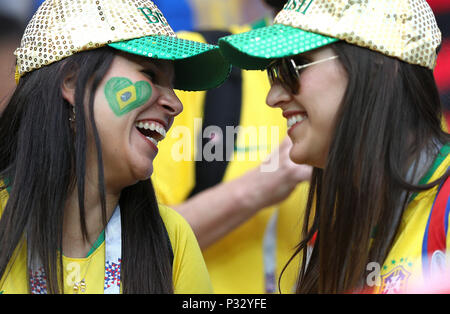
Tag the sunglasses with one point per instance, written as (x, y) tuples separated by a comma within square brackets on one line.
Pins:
[(287, 72)]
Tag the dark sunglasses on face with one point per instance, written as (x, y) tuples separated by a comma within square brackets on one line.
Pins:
[(287, 72)]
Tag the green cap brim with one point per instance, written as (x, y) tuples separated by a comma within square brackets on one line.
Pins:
[(198, 66), (254, 50)]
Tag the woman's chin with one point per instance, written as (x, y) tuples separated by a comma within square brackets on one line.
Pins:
[(305, 156), (297, 156), (141, 166), (145, 174), (141, 174)]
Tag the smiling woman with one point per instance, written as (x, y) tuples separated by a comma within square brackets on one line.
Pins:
[(78, 139), (355, 81), (312, 105), (137, 106)]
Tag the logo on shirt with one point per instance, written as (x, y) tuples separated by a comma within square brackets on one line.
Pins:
[(394, 281)]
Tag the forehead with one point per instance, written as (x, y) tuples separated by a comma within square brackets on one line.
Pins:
[(144, 62)]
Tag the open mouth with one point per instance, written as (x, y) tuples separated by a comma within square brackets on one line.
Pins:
[(153, 131)]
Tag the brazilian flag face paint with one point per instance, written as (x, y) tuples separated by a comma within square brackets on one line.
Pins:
[(123, 96)]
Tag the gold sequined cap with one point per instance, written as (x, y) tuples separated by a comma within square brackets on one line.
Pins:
[(405, 29), (61, 28)]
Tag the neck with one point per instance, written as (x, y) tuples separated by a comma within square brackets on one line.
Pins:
[(75, 244)]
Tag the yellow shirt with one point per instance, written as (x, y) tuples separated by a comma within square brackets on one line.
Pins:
[(238, 262), (190, 275), (404, 266)]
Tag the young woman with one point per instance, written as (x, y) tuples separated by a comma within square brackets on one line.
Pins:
[(77, 141), (355, 83)]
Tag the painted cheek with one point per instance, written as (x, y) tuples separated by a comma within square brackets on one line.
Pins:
[(124, 96)]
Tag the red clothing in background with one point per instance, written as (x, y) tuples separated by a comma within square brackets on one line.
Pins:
[(441, 9)]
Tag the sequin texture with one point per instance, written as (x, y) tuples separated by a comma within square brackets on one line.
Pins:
[(405, 29), (61, 28)]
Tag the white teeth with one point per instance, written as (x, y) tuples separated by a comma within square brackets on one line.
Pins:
[(295, 119), (161, 131), (152, 127), (151, 139)]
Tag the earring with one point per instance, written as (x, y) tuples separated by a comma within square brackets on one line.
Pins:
[(72, 116)]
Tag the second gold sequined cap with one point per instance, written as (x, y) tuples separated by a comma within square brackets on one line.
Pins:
[(61, 28), (405, 29)]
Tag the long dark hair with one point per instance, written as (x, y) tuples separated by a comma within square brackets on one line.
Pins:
[(42, 159), (389, 116)]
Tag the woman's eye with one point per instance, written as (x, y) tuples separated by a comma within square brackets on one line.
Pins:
[(301, 61), (150, 74), (158, 78)]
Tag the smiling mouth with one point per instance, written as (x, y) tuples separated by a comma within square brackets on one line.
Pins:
[(293, 120), (153, 131)]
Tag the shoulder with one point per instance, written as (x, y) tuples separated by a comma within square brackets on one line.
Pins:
[(190, 274), (437, 170), (443, 161), (440, 169), (171, 217), (177, 227)]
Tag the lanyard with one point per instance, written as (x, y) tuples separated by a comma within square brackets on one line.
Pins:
[(113, 258)]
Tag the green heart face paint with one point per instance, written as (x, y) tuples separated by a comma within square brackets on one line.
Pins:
[(123, 96)]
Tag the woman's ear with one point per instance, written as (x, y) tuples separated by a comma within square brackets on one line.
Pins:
[(68, 88)]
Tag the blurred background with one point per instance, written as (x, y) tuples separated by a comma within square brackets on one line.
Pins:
[(189, 15)]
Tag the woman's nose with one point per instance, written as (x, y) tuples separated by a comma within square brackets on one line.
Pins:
[(277, 95), (170, 102)]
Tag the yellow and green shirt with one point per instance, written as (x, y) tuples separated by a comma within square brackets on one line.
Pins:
[(419, 248), (190, 275)]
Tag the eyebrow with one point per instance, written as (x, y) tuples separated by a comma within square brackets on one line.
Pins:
[(141, 60)]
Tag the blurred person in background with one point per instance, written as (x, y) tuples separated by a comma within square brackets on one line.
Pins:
[(220, 14), (246, 220)]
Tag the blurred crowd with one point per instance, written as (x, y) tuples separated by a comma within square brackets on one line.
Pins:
[(194, 14)]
